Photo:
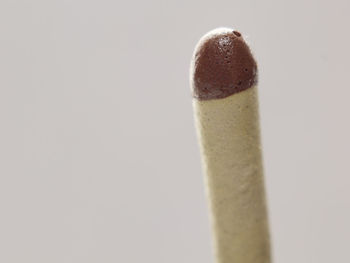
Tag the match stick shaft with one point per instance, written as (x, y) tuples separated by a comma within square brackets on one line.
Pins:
[(229, 135)]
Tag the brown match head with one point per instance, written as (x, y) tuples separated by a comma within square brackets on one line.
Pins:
[(222, 65)]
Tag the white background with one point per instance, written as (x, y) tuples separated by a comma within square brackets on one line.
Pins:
[(98, 155)]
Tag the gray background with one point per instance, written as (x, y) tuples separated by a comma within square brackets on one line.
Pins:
[(98, 155)]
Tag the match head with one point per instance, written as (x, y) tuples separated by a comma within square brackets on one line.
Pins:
[(222, 65)]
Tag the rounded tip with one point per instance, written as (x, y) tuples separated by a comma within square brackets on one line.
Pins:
[(222, 65)]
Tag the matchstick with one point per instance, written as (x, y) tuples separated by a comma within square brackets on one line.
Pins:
[(224, 86)]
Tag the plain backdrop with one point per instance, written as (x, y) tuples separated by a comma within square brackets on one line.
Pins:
[(98, 154)]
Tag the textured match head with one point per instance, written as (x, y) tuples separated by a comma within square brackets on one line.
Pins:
[(222, 65)]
